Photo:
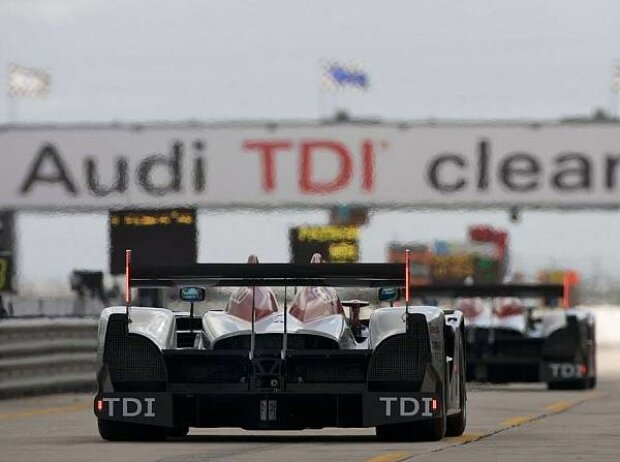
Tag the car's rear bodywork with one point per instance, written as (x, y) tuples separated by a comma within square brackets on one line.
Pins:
[(282, 369)]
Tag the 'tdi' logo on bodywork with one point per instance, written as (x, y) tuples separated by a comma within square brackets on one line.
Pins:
[(129, 407), (407, 406), (567, 370)]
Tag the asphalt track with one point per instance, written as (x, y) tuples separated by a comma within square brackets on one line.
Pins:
[(515, 423)]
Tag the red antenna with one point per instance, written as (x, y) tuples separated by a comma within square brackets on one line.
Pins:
[(570, 279), (127, 279), (566, 284), (407, 277)]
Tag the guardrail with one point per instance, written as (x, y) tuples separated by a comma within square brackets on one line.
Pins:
[(44, 306), (42, 355)]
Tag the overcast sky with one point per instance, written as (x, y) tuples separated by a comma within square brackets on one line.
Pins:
[(219, 60), (255, 59)]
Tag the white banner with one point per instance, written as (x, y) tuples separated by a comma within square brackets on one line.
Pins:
[(288, 166)]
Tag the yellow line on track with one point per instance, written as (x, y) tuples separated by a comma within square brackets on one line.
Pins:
[(591, 394), (395, 456), (518, 420), (551, 409), (560, 406), (511, 422), (17, 415), (465, 438)]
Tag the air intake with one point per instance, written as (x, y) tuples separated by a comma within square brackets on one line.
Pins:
[(133, 361), (403, 357)]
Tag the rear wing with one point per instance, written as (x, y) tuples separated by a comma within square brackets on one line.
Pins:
[(270, 274)]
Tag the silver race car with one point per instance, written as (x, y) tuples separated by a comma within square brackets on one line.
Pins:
[(305, 361)]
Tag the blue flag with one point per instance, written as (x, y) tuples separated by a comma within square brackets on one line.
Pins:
[(338, 75)]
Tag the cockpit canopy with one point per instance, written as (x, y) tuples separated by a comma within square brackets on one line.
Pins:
[(312, 303), (471, 307), (509, 306), (241, 301)]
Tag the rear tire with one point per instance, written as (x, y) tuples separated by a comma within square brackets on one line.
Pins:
[(579, 384), (179, 432), (426, 430), (111, 430), (455, 424), (433, 430), (592, 383)]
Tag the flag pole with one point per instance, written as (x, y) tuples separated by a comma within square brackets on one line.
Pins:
[(11, 95), (319, 90), (12, 108), (615, 89), (323, 91)]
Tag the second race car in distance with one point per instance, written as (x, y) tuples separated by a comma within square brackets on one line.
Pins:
[(512, 339)]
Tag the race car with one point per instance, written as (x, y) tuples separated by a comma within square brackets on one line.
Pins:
[(511, 340), (263, 363)]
